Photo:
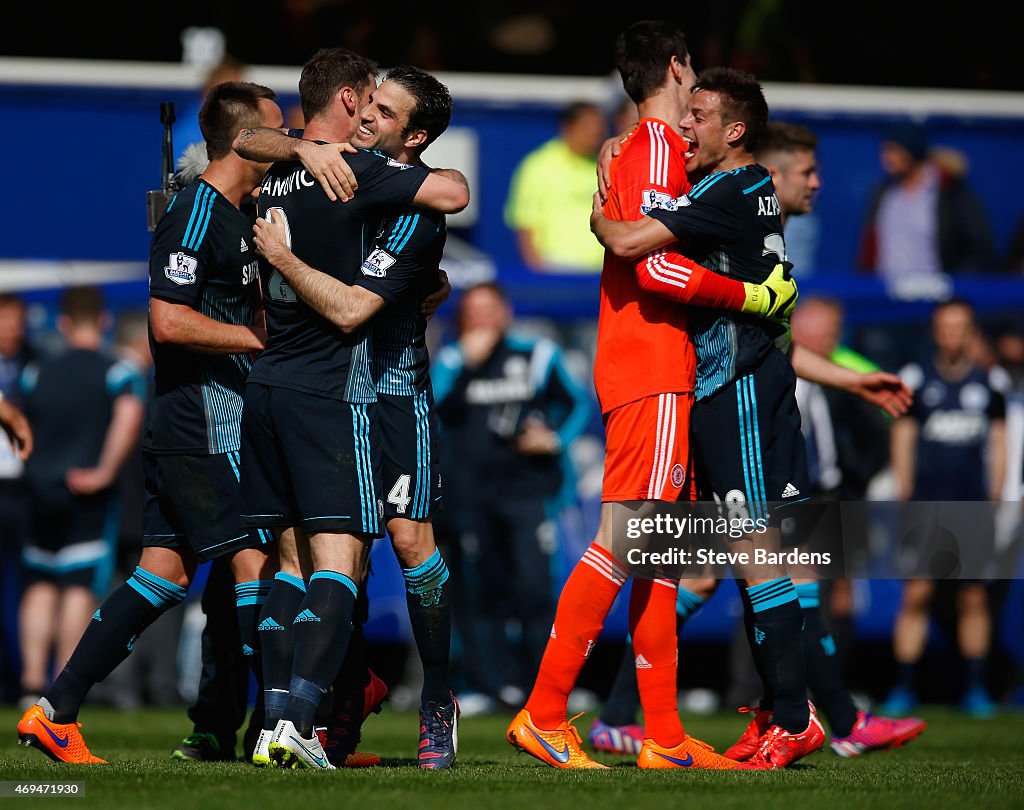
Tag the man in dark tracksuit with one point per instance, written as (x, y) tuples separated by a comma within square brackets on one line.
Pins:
[(509, 408)]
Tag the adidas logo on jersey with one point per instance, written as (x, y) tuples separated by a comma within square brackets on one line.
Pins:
[(269, 624), (642, 663), (307, 616), (96, 616), (790, 491), (245, 247)]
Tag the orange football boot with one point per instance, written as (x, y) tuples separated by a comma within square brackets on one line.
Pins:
[(61, 742), (690, 753), (559, 748)]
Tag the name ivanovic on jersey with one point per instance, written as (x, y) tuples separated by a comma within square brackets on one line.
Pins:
[(278, 186)]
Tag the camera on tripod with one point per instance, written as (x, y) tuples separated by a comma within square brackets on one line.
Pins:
[(157, 200)]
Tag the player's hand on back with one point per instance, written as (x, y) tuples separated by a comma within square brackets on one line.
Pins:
[(433, 301), (611, 148), (270, 234), (329, 168), (775, 298), (597, 214)]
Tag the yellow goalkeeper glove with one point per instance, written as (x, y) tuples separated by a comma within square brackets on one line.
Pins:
[(774, 298)]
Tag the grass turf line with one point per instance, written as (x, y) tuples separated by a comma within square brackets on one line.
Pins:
[(956, 762)]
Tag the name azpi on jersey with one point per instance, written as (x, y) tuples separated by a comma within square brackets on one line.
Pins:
[(768, 206), (280, 186)]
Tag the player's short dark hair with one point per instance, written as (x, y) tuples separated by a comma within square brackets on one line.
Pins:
[(742, 99), (433, 110), (83, 305), (326, 72), (643, 53), (783, 137), (228, 108)]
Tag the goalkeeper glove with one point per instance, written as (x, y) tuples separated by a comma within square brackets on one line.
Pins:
[(775, 297)]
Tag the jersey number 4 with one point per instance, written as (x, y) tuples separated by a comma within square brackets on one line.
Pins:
[(399, 494)]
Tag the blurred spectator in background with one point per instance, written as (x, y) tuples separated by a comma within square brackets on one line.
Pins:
[(848, 438), (509, 409), (15, 353), (847, 447), (626, 116), (789, 152), (924, 219), (149, 676), (551, 194), (186, 125), (86, 408), (951, 446)]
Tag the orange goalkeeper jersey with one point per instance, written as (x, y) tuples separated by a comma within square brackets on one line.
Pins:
[(643, 347)]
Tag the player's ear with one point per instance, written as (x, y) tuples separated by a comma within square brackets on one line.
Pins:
[(348, 98), (415, 137), (675, 68), (734, 132)]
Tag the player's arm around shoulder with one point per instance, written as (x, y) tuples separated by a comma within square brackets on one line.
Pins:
[(444, 190), (623, 229), (325, 162)]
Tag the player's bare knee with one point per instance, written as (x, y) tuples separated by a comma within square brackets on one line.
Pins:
[(169, 565), (413, 541)]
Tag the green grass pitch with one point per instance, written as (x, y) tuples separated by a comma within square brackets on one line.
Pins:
[(957, 762)]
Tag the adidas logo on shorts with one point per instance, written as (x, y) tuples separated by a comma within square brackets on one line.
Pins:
[(790, 491), (642, 663)]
